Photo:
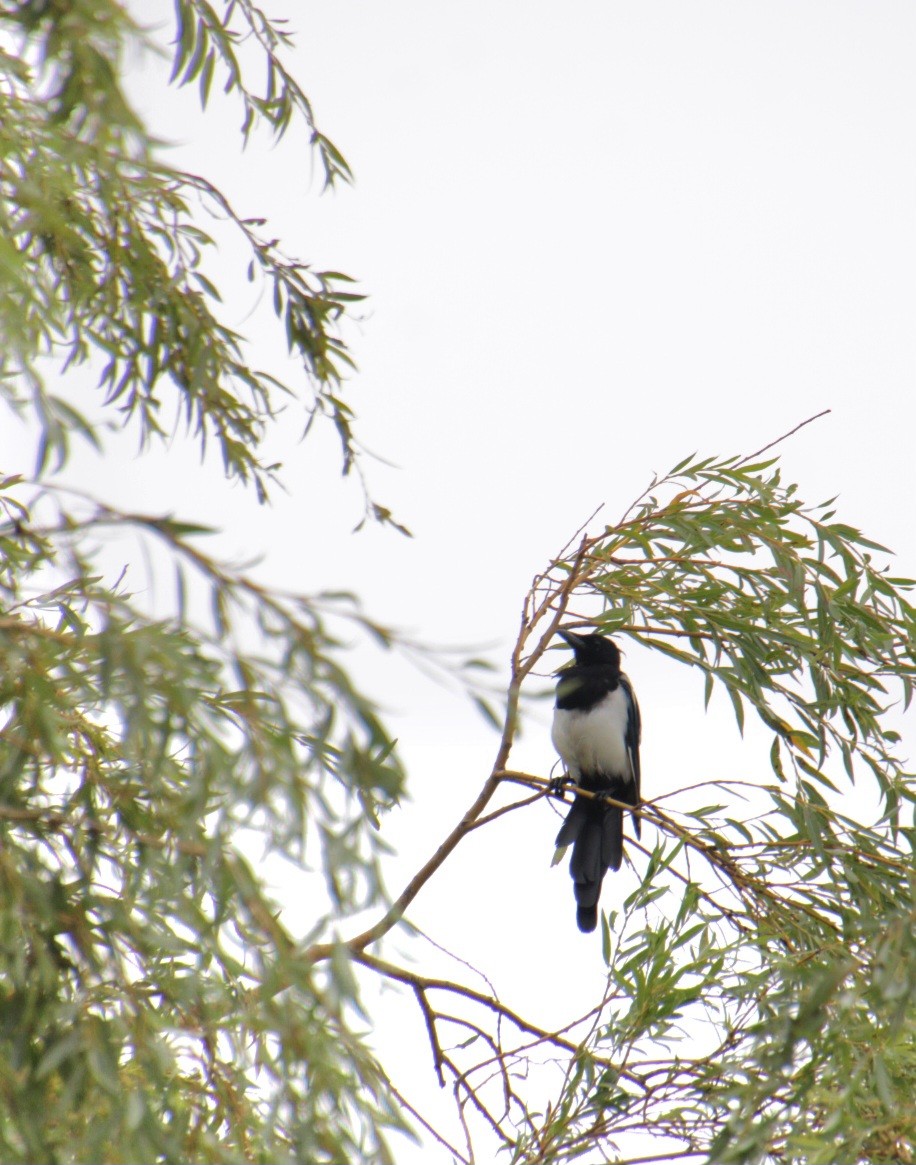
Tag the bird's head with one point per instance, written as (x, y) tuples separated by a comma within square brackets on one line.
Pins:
[(592, 650)]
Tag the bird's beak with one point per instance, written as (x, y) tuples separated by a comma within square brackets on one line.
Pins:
[(575, 641)]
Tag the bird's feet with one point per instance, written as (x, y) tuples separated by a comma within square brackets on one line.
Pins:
[(558, 786)]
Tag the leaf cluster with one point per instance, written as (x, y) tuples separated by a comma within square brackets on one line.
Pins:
[(779, 604), (107, 263), (141, 946), (160, 768)]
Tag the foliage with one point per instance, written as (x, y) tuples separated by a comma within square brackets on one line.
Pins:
[(105, 258), (761, 978), (143, 755)]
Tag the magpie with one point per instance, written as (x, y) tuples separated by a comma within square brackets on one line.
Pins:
[(596, 730)]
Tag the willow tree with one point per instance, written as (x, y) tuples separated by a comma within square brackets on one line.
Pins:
[(153, 1004), (137, 944)]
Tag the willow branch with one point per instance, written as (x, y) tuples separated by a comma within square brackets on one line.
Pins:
[(426, 984), (784, 437), (555, 601)]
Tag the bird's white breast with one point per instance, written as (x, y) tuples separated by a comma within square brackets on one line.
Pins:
[(594, 740)]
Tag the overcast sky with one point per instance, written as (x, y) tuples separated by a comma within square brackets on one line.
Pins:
[(595, 237)]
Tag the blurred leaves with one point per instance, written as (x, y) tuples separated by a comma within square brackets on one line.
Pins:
[(106, 262), (140, 950), (160, 768)]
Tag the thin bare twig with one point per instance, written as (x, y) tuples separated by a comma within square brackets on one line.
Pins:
[(418, 1116), (509, 808), (411, 979), (784, 437)]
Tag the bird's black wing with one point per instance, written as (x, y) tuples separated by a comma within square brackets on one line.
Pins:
[(632, 737)]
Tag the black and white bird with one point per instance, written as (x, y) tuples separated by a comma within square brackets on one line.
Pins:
[(596, 730)]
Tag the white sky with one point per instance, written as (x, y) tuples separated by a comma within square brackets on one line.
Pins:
[(595, 237)]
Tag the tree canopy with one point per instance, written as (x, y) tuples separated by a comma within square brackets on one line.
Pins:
[(154, 1004)]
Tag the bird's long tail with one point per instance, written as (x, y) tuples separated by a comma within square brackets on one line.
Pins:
[(595, 831)]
